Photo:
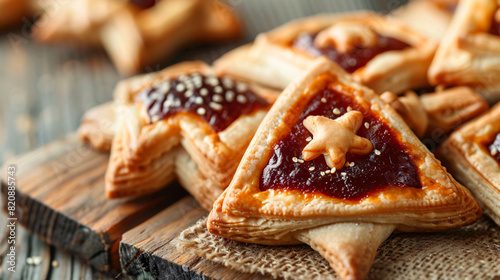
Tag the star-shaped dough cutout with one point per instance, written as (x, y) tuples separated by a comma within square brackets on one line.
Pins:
[(335, 138)]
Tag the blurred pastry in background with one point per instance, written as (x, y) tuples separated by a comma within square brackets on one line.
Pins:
[(381, 54), (469, 53), (138, 33), (430, 18), (15, 12)]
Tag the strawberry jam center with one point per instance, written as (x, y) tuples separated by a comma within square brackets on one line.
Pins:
[(352, 60), (219, 101), (388, 164)]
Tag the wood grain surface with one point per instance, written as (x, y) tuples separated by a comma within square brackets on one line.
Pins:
[(44, 91), (60, 198)]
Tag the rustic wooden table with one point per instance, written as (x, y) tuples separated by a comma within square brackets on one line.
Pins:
[(44, 91)]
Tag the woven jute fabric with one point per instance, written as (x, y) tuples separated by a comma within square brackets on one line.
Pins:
[(472, 252)]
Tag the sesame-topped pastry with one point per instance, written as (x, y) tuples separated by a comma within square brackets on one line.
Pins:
[(379, 53), (183, 122), (138, 33), (334, 167), (469, 53), (472, 155)]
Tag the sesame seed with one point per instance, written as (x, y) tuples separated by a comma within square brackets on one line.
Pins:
[(217, 98), (334, 170), (294, 159), (37, 260), (212, 81), (343, 174), (308, 139), (156, 95), (155, 118), (494, 151), (336, 111), (203, 92), (198, 100), (323, 100), (240, 87), (198, 84), (167, 104), (241, 99), (322, 173), (367, 125), (377, 152), (215, 106), (327, 171), (55, 263), (189, 85), (155, 110), (311, 168), (229, 96), (164, 87), (177, 103), (218, 89), (349, 108), (227, 82), (189, 93), (183, 77), (201, 111), (180, 87), (29, 261), (300, 160), (351, 164)]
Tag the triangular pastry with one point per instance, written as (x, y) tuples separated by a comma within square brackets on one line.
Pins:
[(137, 34), (472, 155), (469, 52), (388, 180), (430, 18), (380, 53), (183, 122)]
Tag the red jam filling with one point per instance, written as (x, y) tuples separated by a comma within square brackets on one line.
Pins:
[(494, 148), (217, 100), (389, 164), (495, 26), (350, 61), (144, 4)]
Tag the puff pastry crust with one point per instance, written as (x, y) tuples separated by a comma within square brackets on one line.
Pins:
[(469, 53), (98, 126), (273, 61), (147, 153), (135, 37), (288, 215), (469, 156)]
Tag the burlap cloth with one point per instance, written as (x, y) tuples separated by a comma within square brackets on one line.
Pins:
[(470, 253)]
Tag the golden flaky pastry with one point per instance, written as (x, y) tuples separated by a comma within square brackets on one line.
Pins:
[(430, 18), (472, 155), (138, 34), (469, 53), (98, 126), (380, 54), (277, 197), (186, 123)]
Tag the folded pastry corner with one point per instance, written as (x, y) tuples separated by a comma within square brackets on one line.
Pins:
[(98, 126), (380, 53), (344, 194), (469, 53), (472, 156), (183, 122)]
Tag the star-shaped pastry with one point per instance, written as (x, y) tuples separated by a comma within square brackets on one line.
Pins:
[(335, 138)]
